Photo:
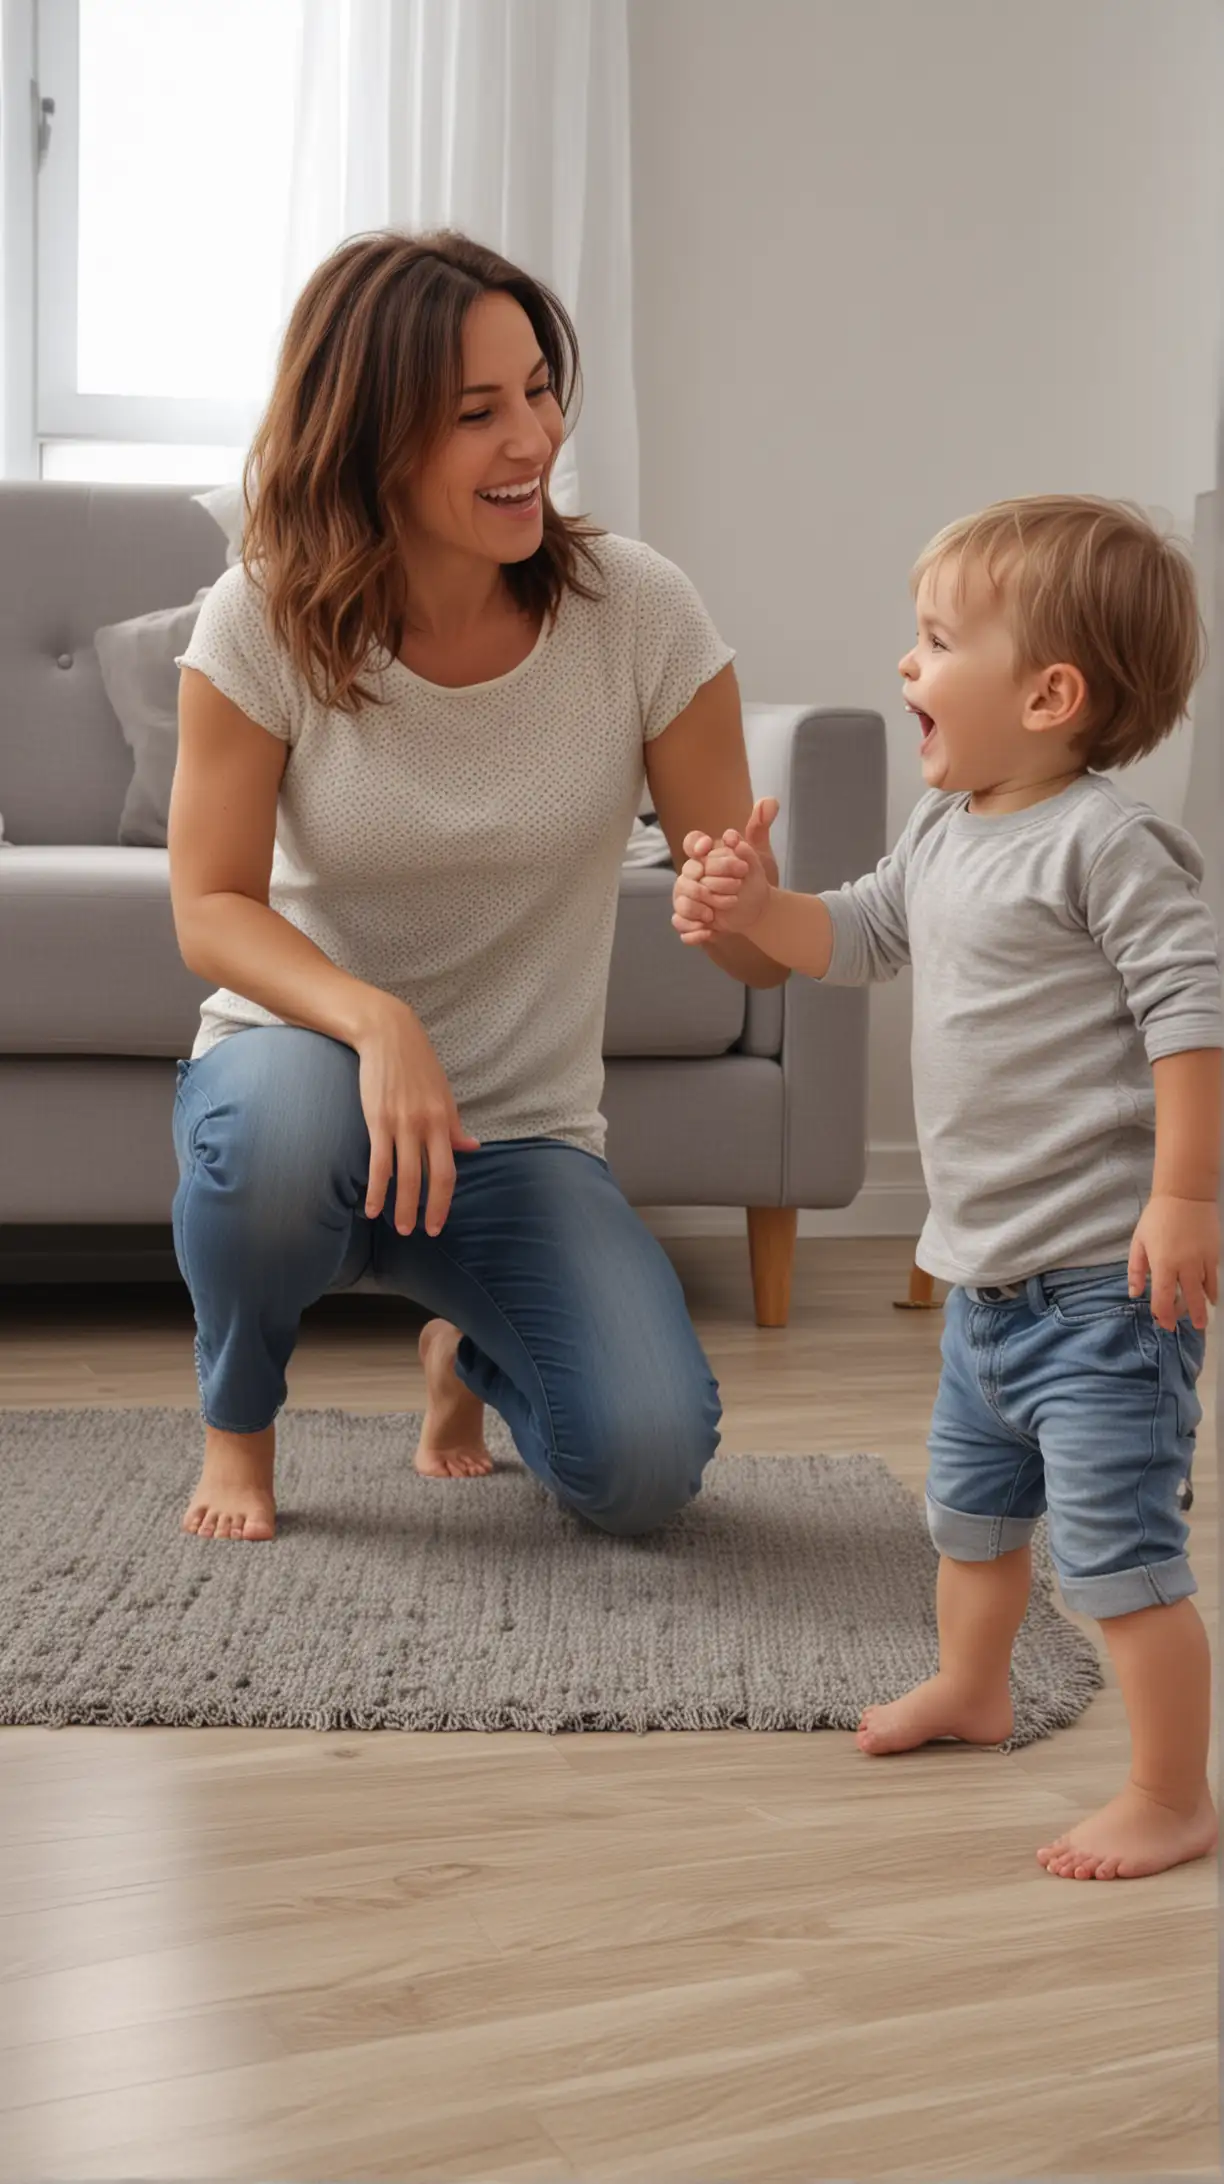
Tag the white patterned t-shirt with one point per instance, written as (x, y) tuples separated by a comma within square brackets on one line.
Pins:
[(461, 849)]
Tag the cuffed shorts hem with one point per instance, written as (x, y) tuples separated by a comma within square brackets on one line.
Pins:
[(965, 1537), (1124, 1592)]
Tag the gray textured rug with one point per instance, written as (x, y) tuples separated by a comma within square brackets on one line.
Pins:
[(794, 1591)]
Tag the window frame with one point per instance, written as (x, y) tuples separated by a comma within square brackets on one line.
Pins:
[(61, 411)]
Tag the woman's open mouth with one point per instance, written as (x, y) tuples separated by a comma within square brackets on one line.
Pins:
[(513, 500)]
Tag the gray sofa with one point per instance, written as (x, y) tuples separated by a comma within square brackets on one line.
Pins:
[(715, 1096)]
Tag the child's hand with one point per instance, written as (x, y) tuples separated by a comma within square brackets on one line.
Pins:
[(724, 887), (1177, 1242)]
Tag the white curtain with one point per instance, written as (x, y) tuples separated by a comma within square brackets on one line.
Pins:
[(508, 119)]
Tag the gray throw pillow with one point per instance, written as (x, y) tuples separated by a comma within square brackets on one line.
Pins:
[(142, 682)]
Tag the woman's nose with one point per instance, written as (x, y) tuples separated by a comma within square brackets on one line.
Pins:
[(528, 436)]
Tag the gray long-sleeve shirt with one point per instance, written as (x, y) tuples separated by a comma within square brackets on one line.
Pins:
[(1057, 953)]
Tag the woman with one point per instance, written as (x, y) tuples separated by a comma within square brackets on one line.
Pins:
[(413, 726)]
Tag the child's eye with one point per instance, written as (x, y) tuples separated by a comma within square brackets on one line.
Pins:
[(937, 644)]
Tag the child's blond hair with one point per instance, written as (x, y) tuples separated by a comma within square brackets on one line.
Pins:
[(1093, 583)]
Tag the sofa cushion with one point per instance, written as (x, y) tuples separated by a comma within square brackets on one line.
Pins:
[(73, 559), (90, 964), (139, 665), (663, 998)]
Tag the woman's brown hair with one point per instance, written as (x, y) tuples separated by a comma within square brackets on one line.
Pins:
[(368, 381)]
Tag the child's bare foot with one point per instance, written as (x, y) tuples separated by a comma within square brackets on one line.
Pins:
[(452, 1438), (933, 1710), (1131, 1837), (234, 1497)]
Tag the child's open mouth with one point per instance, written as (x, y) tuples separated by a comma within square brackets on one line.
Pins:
[(925, 723)]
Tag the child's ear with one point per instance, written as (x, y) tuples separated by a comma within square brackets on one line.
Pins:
[(1057, 700)]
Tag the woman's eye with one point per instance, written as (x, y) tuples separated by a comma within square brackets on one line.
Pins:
[(481, 416)]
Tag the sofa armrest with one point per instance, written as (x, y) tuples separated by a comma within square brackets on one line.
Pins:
[(828, 770)]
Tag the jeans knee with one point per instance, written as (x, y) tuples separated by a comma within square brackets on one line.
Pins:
[(275, 1146), (643, 1468)]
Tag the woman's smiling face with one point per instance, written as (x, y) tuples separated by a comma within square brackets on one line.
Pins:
[(480, 490)]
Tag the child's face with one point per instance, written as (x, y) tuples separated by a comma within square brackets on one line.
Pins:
[(986, 728)]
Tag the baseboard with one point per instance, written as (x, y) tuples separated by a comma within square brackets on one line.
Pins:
[(892, 1202)]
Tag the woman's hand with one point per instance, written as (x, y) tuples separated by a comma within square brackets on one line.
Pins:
[(411, 1116)]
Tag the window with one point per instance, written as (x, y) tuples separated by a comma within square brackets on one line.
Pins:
[(162, 208)]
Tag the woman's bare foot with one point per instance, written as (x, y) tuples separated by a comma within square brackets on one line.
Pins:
[(1132, 1837), (933, 1710), (452, 1437), (234, 1497)]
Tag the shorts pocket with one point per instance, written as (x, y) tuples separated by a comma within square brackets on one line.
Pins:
[(1192, 1346), (1189, 1344), (1082, 1304)]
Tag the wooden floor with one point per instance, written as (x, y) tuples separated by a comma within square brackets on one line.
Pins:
[(240, 1955)]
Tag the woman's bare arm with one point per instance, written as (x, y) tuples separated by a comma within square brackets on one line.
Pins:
[(222, 832), (698, 775)]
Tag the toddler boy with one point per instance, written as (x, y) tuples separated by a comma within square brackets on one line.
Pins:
[(1067, 1092)]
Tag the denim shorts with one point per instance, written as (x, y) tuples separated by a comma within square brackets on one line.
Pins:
[(1062, 1394)]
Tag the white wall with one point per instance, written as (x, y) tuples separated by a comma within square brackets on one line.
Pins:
[(894, 259)]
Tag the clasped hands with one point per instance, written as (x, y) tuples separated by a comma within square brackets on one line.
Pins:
[(724, 886)]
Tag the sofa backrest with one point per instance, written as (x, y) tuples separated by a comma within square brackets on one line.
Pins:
[(72, 559)]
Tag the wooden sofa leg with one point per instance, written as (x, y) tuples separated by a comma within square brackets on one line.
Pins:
[(771, 1252), (921, 1295)]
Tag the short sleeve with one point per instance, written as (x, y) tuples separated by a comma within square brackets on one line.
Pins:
[(233, 646), (676, 646)]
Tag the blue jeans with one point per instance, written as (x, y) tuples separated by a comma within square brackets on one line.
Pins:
[(574, 1325), (1063, 1393)]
